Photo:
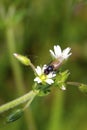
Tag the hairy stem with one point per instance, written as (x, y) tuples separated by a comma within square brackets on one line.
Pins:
[(27, 97), (74, 83)]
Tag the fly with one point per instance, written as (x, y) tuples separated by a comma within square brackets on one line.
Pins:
[(53, 66)]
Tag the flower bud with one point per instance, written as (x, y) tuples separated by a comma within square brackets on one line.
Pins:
[(23, 59), (83, 88)]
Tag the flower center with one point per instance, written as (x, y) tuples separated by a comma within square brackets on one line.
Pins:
[(42, 77)]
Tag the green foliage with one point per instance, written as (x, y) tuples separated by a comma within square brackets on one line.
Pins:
[(61, 79), (36, 27), (14, 116), (43, 89)]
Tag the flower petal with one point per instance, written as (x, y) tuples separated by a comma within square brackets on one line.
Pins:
[(49, 81), (38, 70), (65, 53), (63, 87), (51, 75), (57, 50), (44, 67), (38, 80), (52, 54)]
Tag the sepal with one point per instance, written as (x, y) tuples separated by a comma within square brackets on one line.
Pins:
[(43, 89)]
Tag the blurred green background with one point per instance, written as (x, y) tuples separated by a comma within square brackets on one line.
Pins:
[(31, 28)]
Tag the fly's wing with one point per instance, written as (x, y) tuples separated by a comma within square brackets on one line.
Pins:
[(10, 116)]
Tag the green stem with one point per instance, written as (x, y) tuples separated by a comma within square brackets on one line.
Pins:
[(28, 104), (11, 44), (27, 97), (74, 83), (55, 121)]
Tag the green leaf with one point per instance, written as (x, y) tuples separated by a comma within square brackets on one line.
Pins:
[(14, 116)]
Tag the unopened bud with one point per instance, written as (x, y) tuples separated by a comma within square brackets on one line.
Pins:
[(83, 88), (23, 59)]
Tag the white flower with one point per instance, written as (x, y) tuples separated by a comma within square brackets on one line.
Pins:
[(59, 54), (42, 78), (63, 87)]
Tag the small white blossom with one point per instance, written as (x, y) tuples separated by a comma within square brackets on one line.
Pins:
[(63, 87), (59, 54), (42, 78)]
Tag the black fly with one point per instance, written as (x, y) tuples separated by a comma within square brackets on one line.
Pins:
[(53, 66)]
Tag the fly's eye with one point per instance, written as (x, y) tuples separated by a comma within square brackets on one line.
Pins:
[(50, 68)]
